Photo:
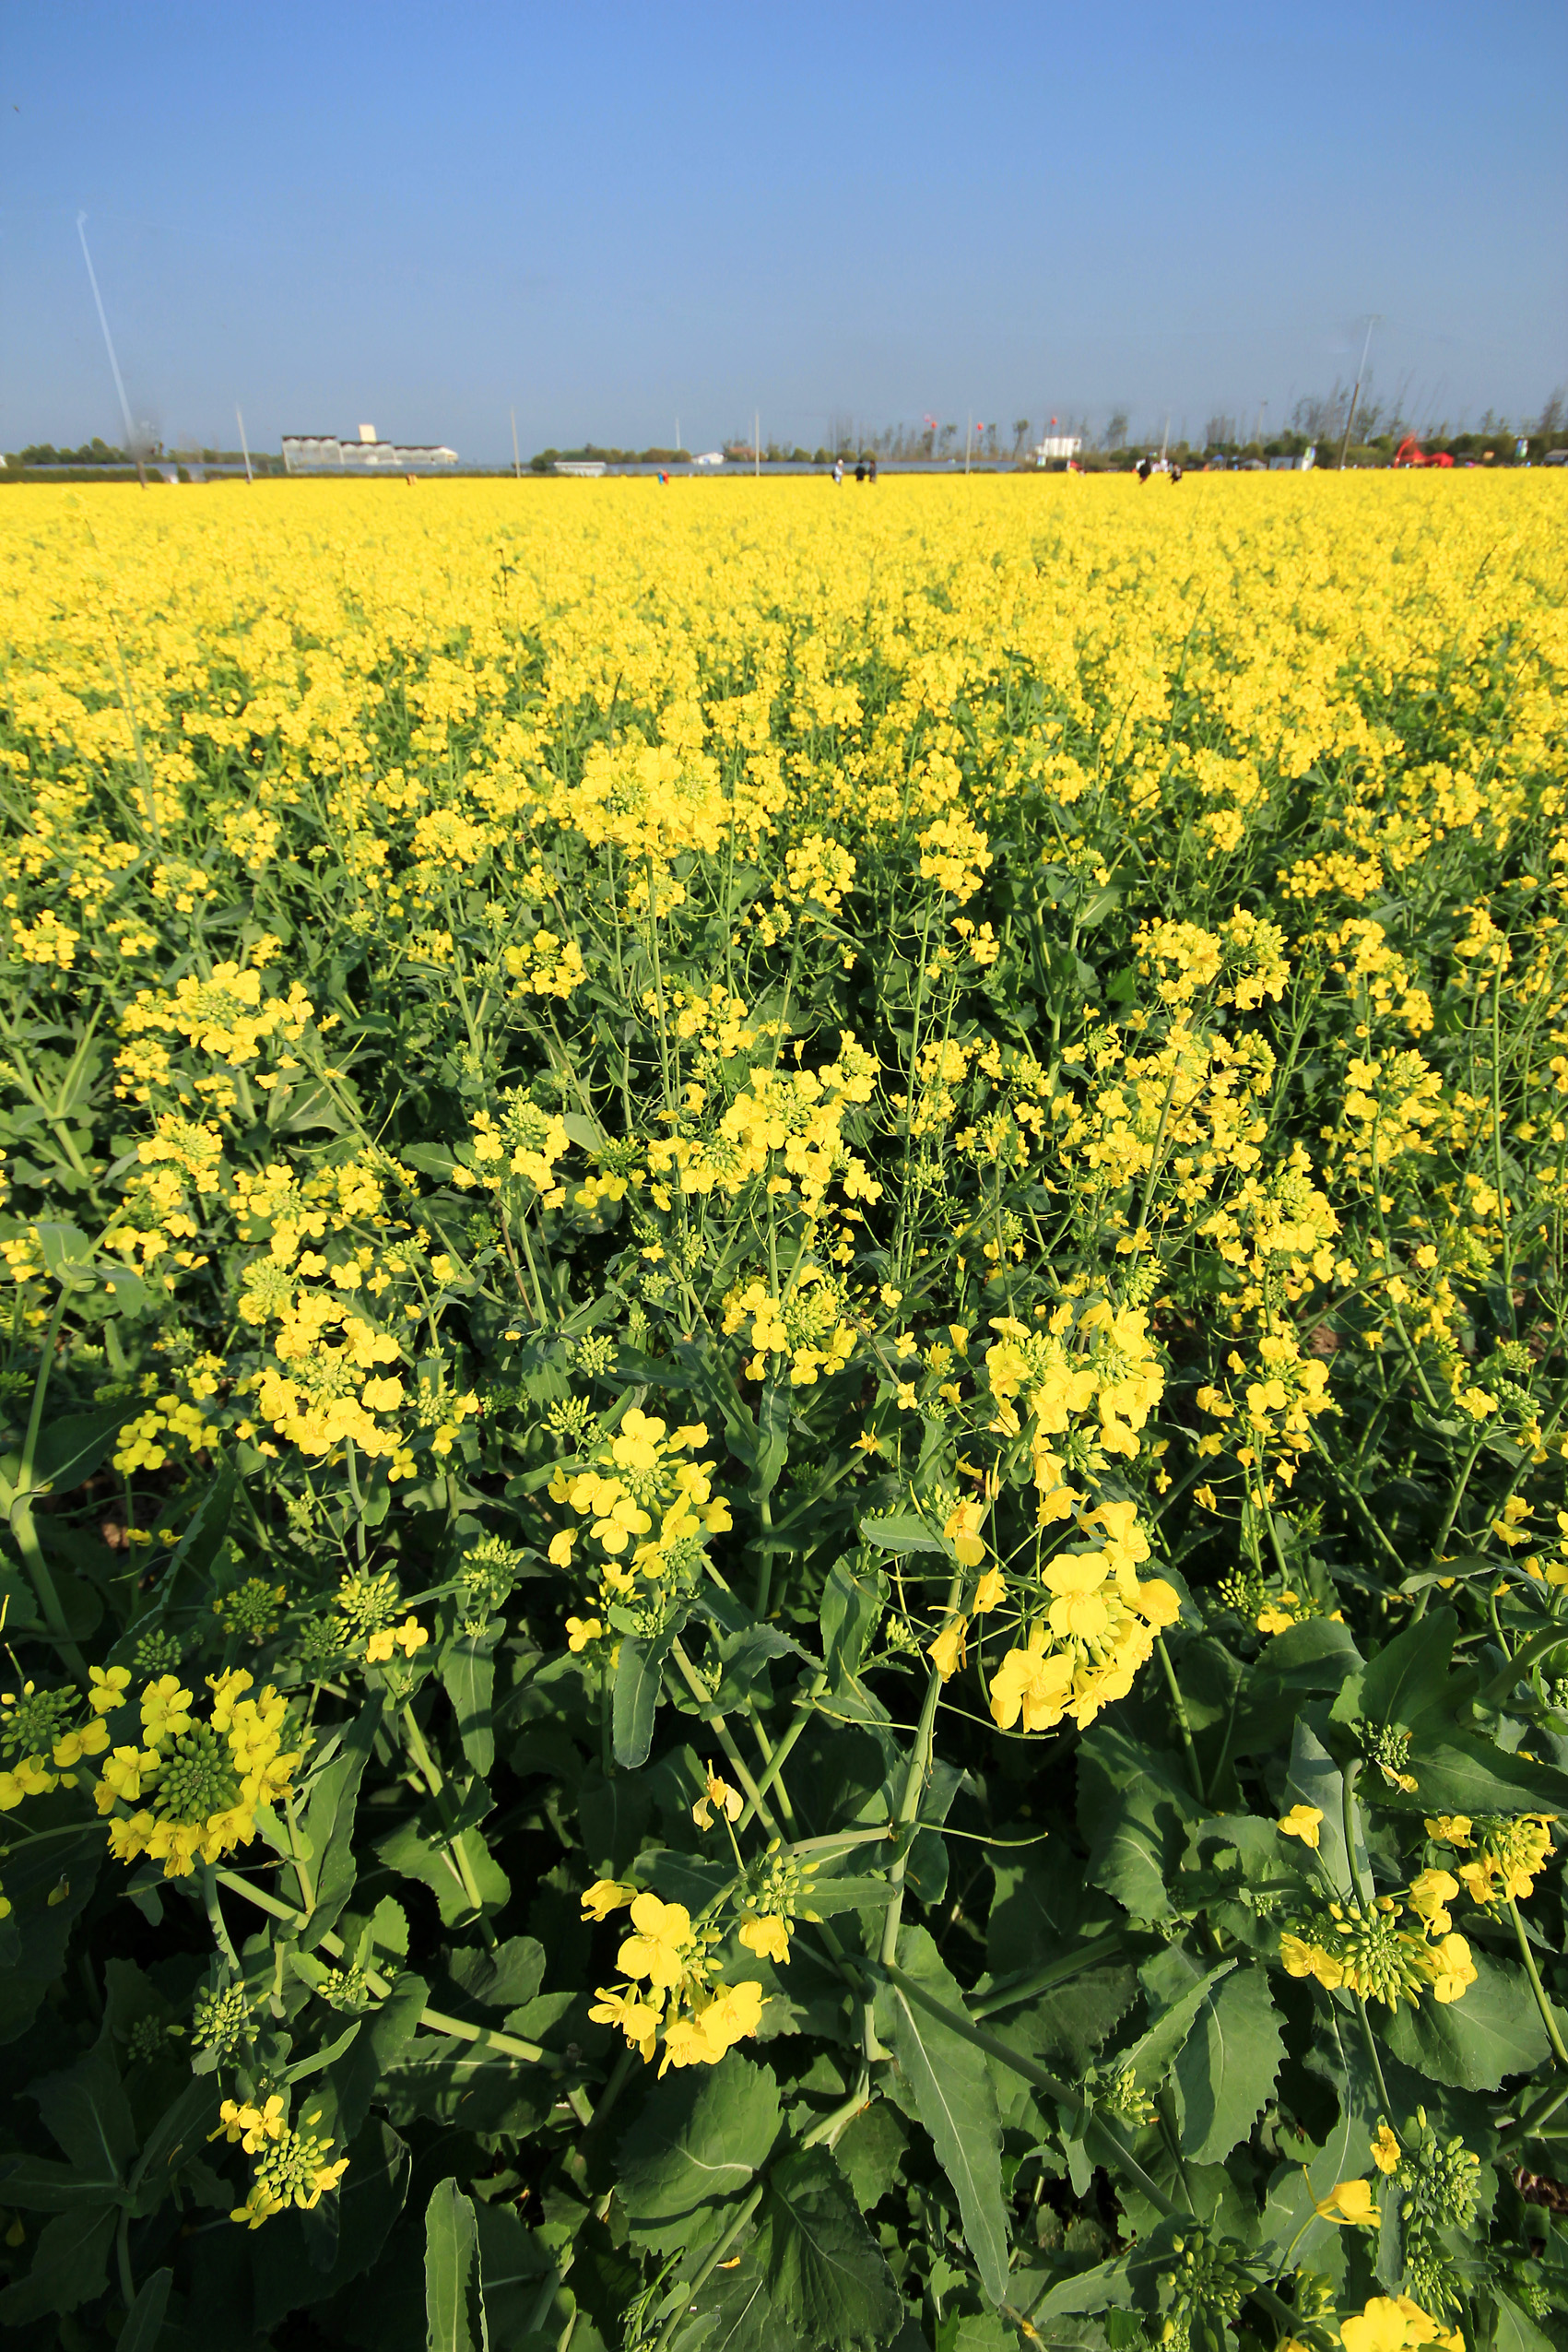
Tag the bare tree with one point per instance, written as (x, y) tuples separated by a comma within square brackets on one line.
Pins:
[(1021, 433), (1220, 430), (1116, 431)]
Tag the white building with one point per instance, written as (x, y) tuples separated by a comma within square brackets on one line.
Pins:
[(1056, 446), (316, 453)]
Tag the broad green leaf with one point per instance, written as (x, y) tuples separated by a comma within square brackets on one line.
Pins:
[(826, 2277), (869, 2152), (903, 1531), (515, 2267), (639, 1677), (772, 1436), (702, 2135), (329, 1818), (1227, 2066), (1316, 1655), (1512, 2331), (1133, 1800), (1455, 1772), (454, 2301), (1411, 1678), (358, 2075), (144, 2320), (851, 1605), (463, 2084), (41, 2184), (67, 1253), (179, 2135), (69, 2265), (1315, 1780), (731, 2310), (613, 1815), (365, 2205), (950, 2084), (468, 1672), (1040, 1909), (71, 1449), (1477, 2042), (503, 1979), (422, 1850), (87, 2113), (1152, 2056)]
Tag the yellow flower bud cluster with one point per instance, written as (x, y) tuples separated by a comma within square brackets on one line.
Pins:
[(1365, 1949), (647, 1508), (809, 1326), (1507, 1855), (668, 1963), (291, 2167), (190, 1791)]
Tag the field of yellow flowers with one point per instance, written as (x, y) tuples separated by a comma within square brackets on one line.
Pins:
[(785, 1362)]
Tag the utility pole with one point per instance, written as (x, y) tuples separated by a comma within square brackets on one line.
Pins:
[(757, 442), (244, 445), (108, 346), (1258, 436), (1356, 395), (967, 435), (516, 460), (677, 437)]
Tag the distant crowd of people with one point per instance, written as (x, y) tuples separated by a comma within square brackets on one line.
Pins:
[(864, 470)]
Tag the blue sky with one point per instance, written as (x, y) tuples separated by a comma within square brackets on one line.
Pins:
[(611, 215)]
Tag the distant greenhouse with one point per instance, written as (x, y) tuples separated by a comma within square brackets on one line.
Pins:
[(320, 453)]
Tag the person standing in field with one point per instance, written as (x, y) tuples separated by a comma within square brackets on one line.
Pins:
[(838, 472), (871, 471)]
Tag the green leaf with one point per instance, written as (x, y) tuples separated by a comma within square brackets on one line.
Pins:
[(613, 1815), (701, 2136), (639, 1677), (503, 1979), (144, 2320), (71, 1449), (365, 2205), (69, 2265), (1315, 1780), (329, 1820), (1458, 1773), (1151, 2058), (466, 2086), (179, 2133), (903, 1531), (454, 2301), (1132, 1803), (1411, 1677), (358, 2075), (851, 1605), (950, 2085), (1227, 2066), (869, 2152), (421, 1850), (772, 1436), (1512, 2331), (67, 1253), (468, 1672), (39, 1926), (89, 2114), (1316, 1655), (1474, 2043), (826, 2278), (731, 2310)]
